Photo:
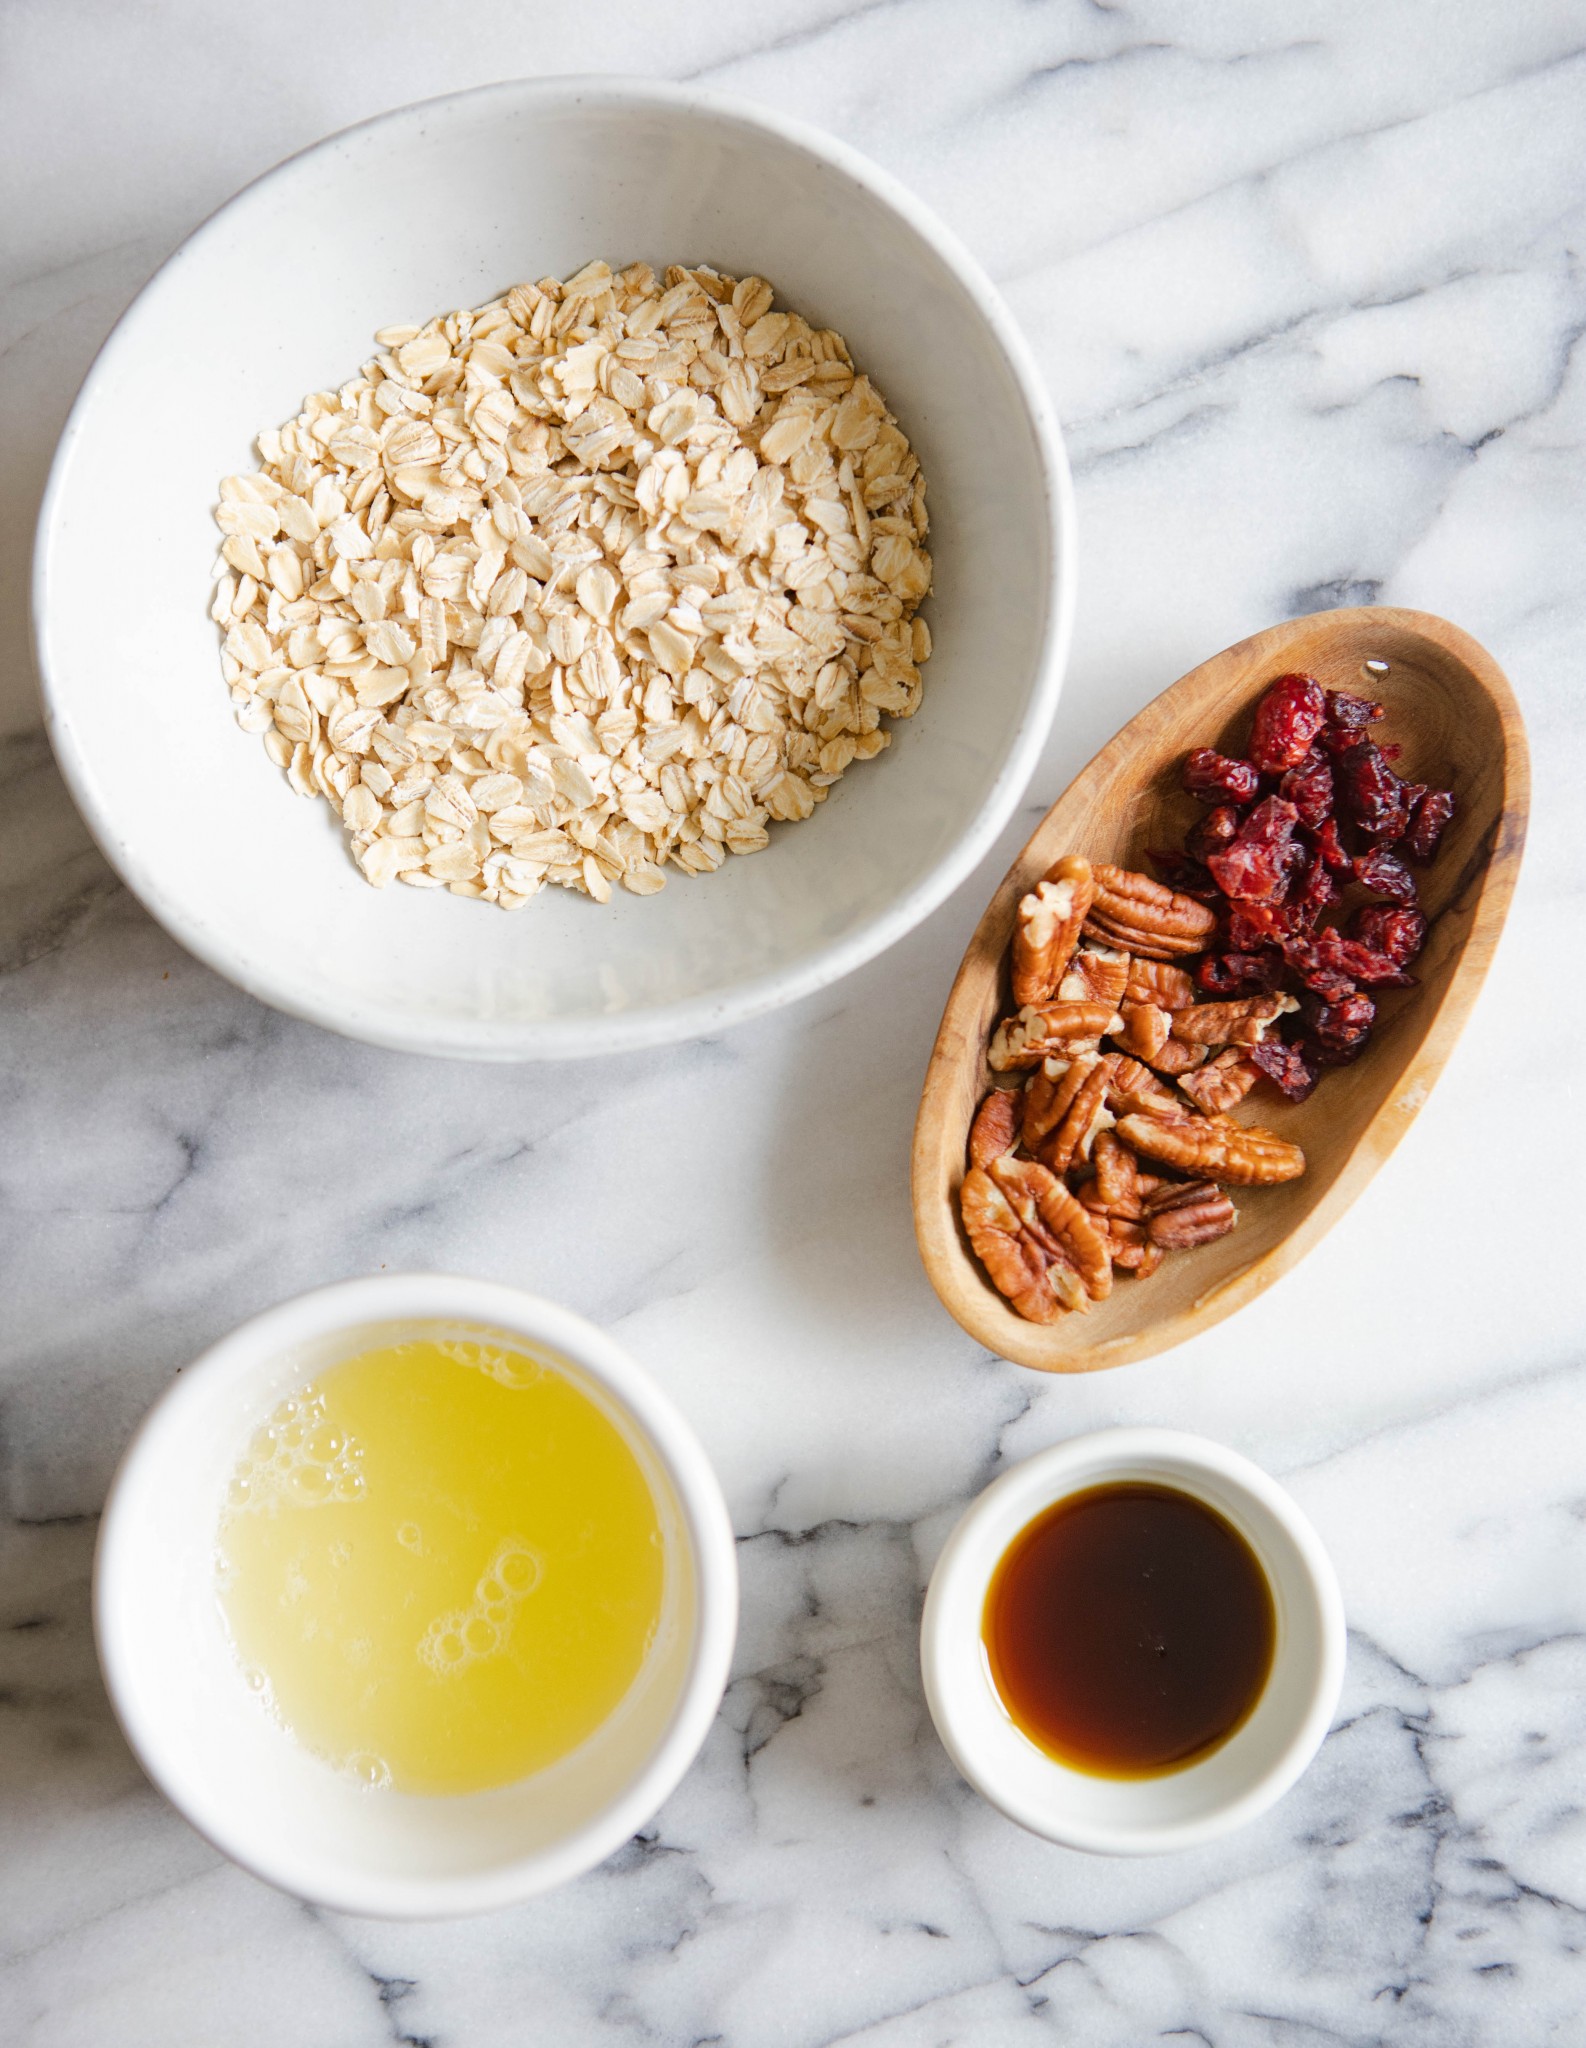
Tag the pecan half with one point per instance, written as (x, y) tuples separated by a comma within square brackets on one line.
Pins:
[(1048, 1094), (1086, 1115), (1177, 1216), (1018, 1267), (1244, 1022), (1214, 1149), (1046, 929), (1115, 1190), (1132, 1250), (996, 1126), (1132, 910), (1160, 982), (1146, 1029), (1096, 974), (1134, 1089), (1059, 1224), (1177, 1057), (1041, 1029), (1222, 1082)]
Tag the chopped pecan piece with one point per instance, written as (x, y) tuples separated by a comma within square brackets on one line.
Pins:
[(1178, 1217), (1041, 1029), (1018, 1267), (1159, 982), (1214, 1149), (1222, 1082), (1178, 1056), (1096, 974), (1132, 1089), (1047, 928), (1059, 1224), (1245, 1022), (1048, 1093), (1146, 1029), (996, 1126), (1086, 1115), (1133, 911)]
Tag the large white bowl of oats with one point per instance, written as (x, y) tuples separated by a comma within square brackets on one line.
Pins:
[(554, 570)]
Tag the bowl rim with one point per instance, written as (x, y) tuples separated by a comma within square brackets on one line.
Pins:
[(472, 1036), (1169, 1457), (238, 1358)]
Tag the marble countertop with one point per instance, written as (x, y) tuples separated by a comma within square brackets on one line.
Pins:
[(1306, 283)]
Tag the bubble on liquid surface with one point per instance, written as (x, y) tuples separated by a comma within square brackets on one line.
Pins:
[(295, 1457), (369, 1770), (514, 1369), (411, 1537), (454, 1641), (517, 1568)]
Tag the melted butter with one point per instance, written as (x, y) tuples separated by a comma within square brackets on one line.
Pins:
[(441, 1565)]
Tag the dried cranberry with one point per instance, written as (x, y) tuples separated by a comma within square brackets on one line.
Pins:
[(1309, 787), (1384, 874), (1255, 867), (1315, 892), (1370, 792), (1288, 718), (1183, 874), (1397, 934), (1348, 713), (1431, 819), (1240, 974), (1343, 1023), (1331, 848), (1329, 986), (1330, 953), (1217, 778), (1254, 925), (1314, 967), (1213, 831), (1321, 1054), (1285, 1065)]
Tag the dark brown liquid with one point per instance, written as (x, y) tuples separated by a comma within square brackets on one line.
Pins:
[(1130, 1630)]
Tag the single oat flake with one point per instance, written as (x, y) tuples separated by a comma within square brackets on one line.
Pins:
[(605, 575)]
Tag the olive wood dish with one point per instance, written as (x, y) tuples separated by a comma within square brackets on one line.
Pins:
[(1452, 710)]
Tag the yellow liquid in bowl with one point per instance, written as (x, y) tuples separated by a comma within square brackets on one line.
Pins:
[(442, 1565)]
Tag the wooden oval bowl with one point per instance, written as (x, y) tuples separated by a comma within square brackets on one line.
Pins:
[(1450, 707)]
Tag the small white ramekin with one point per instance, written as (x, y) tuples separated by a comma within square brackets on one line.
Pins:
[(240, 1779), (1180, 1810)]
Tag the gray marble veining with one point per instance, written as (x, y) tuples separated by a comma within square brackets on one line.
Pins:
[(1307, 286)]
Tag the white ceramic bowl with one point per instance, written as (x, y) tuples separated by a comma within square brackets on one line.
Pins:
[(443, 205), (205, 1740), (1144, 1816)]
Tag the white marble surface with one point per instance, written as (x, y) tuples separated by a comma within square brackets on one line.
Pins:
[(1306, 283)]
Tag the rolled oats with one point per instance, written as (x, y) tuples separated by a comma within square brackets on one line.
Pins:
[(604, 575)]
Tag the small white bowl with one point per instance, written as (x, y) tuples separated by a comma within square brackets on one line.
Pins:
[(445, 205), (179, 1692), (1180, 1810)]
